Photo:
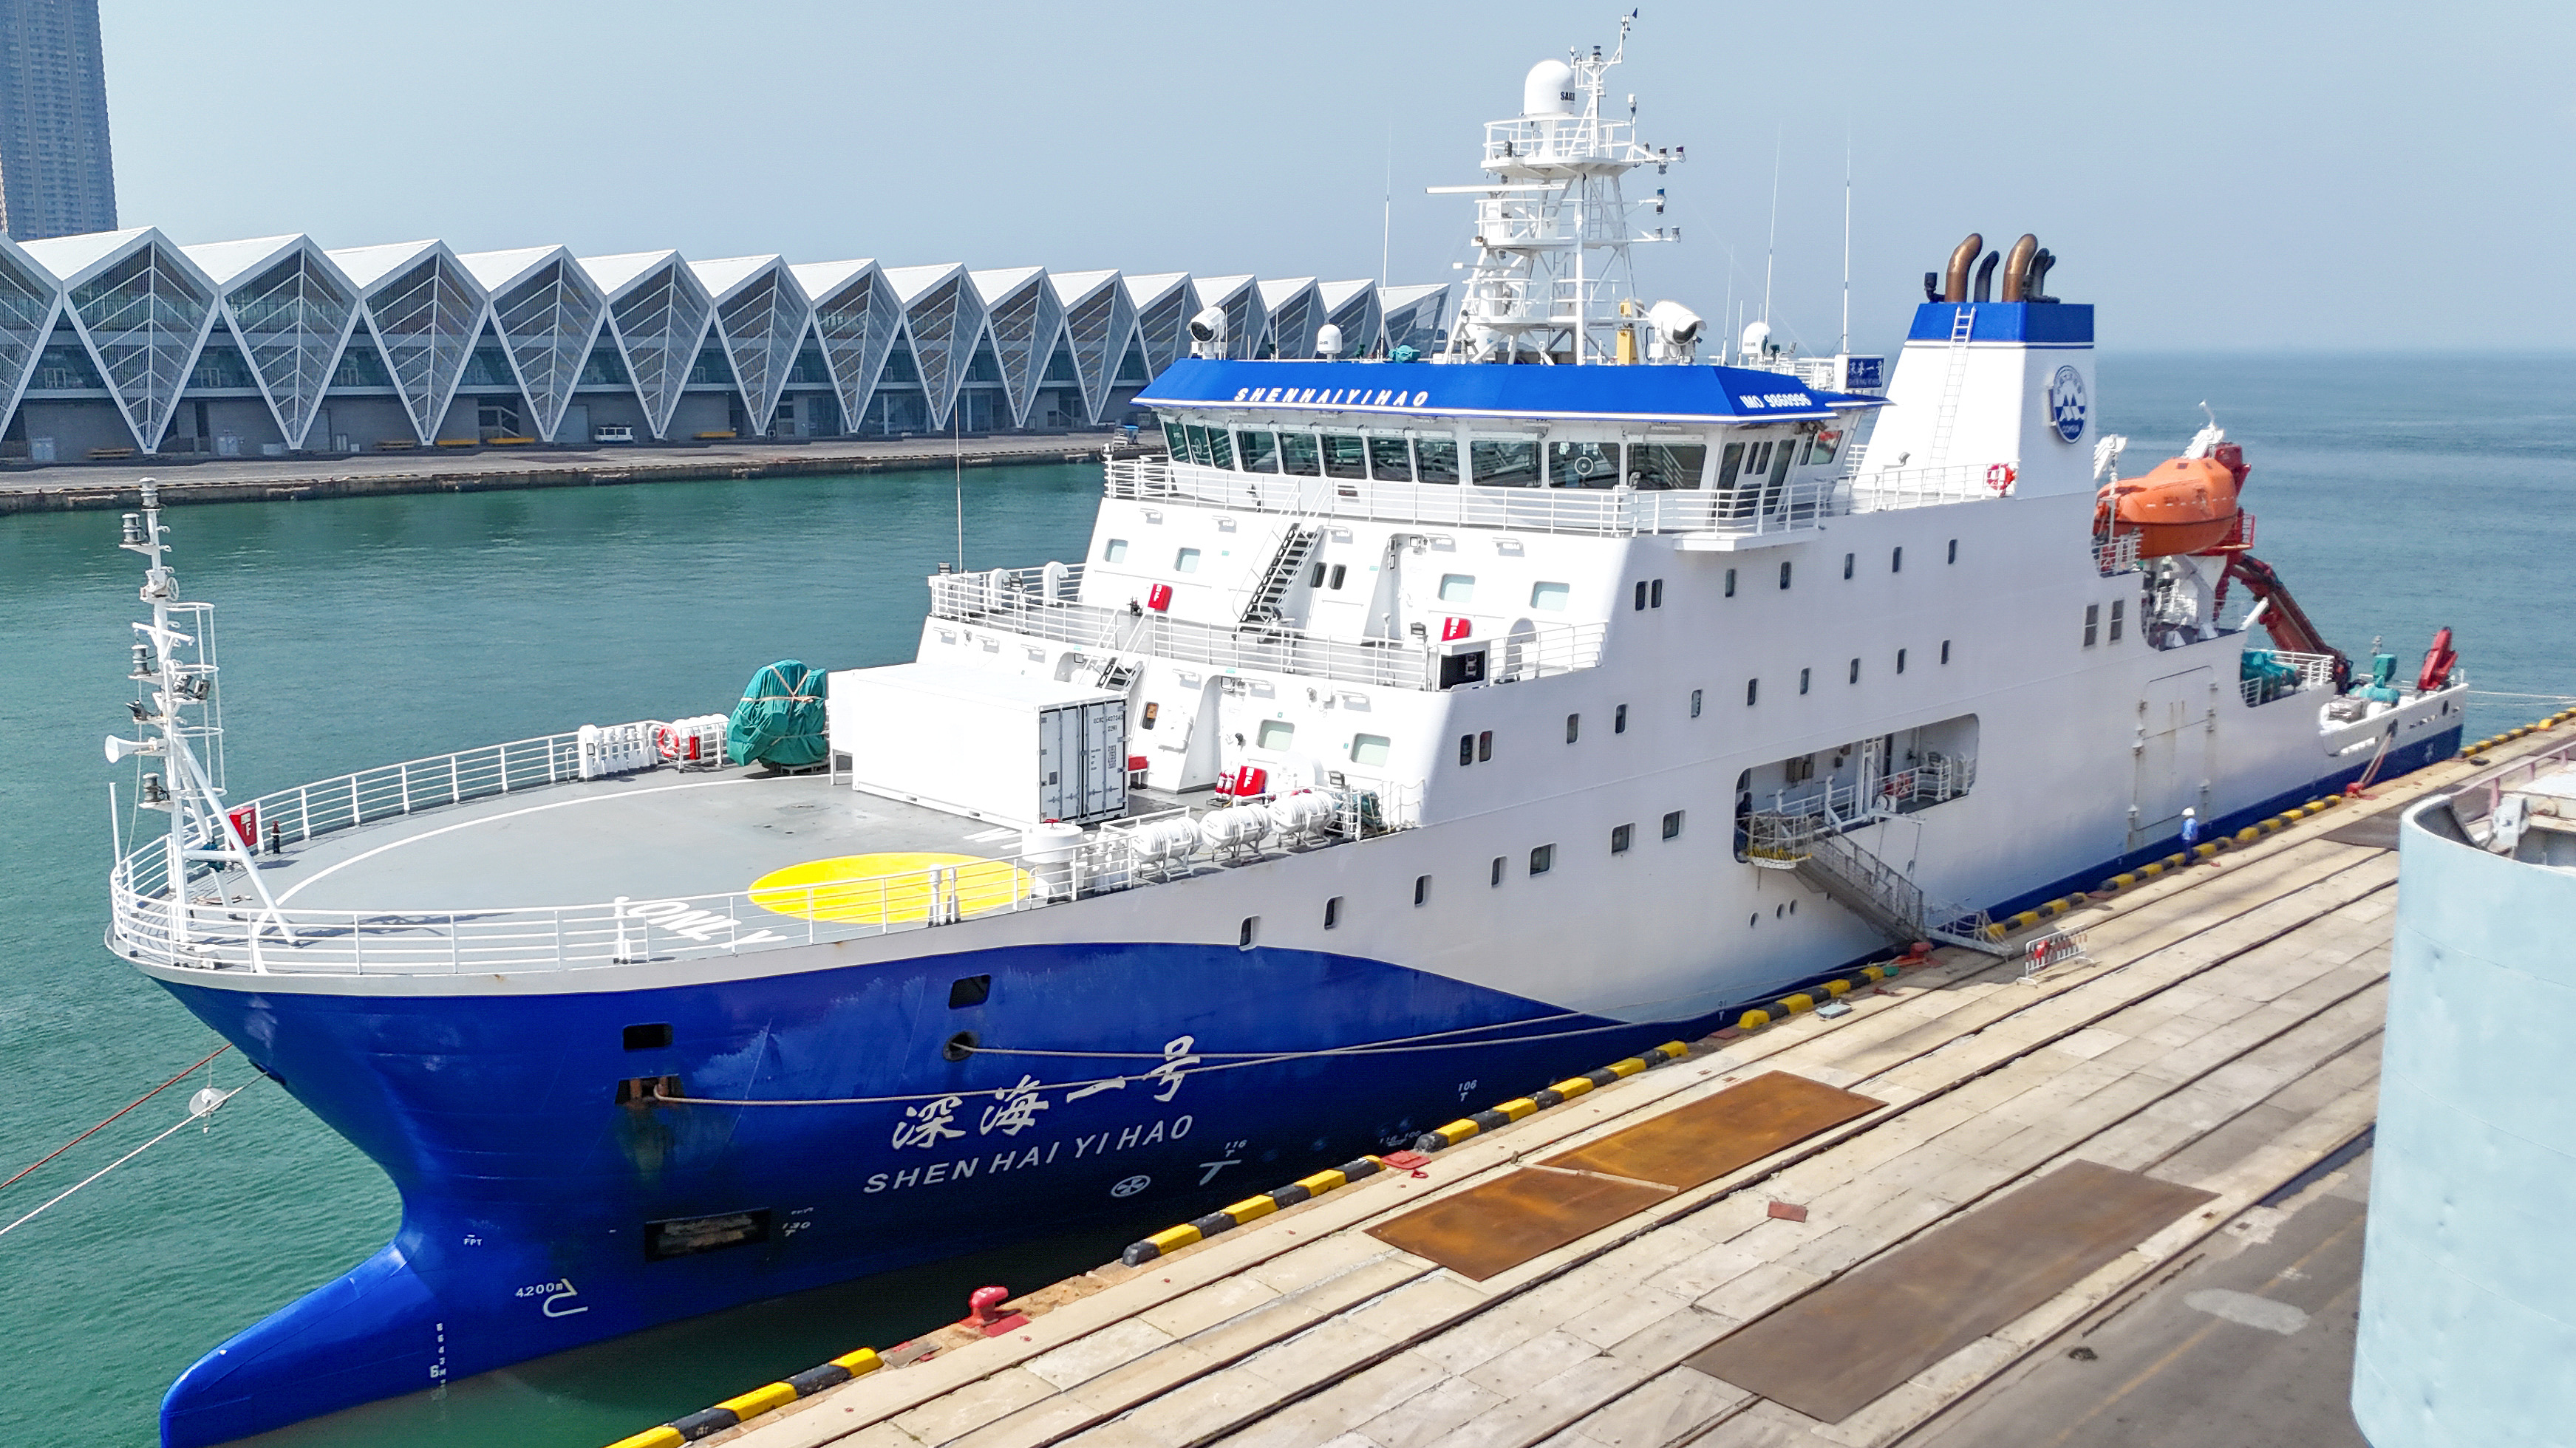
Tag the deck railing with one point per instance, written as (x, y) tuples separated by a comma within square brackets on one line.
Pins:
[(222, 925), (389, 790), (1753, 506), (1029, 602)]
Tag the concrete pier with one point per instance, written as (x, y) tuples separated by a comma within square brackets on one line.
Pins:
[(439, 470), (2215, 1044)]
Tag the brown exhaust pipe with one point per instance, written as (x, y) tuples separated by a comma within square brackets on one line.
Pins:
[(2017, 287), (1986, 277), (1954, 282)]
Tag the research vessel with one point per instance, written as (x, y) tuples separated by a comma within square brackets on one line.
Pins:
[(1412, 729)]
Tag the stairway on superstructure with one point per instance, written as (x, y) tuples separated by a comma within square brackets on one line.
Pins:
[(1295, 546), (1878, 892)]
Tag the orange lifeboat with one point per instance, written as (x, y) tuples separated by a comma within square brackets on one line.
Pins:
[(2181, 505)]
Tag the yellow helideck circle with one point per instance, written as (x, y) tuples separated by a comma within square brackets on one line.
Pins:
[(890, 888)]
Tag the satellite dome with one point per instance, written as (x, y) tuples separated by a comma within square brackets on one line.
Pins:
[(1757, 335), (1548, 90)]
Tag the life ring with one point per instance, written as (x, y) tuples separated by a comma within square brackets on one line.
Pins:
[(1999, 476)]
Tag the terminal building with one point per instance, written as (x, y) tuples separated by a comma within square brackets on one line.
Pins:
[(121, 343)]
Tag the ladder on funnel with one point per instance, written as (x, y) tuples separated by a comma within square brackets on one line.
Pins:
[(1951, 385)]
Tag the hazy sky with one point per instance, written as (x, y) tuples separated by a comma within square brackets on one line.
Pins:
[(2239, 175)]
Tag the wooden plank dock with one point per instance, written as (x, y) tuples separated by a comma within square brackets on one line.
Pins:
[(2219, 1035)]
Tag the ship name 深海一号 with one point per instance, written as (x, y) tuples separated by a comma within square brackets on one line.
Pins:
[(1022, 1158)]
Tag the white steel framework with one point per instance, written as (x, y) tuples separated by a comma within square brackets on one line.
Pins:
[(141, 309), (1099, 325), (856, 321), (1296, 312), (761, 319), (659, 315), (425, 312), (1245, 321), (1164, 305), (1353, 307), (31, 303), (548, 313), (1027, 325), (290, 310), (943, 319)]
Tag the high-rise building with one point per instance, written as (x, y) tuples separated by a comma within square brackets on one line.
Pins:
[(56, 178)]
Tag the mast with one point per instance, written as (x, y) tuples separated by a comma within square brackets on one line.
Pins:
[(1535, 293)]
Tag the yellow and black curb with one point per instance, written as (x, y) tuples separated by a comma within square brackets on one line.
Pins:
[(1563, 1091), (1822, 993), (735, 1411), (1173, 1239), (2507, 737)]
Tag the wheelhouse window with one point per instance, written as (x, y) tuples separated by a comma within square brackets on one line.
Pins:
[(1822, 447), (1260, 451), (1299, 456), (1197, 439), (1390, 460), (1659, 465), (1176, 440), (1504, 464), (1345, 456), (1583, 464), (1220, 448), (1435, 459)]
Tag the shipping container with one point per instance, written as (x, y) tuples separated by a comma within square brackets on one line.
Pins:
[(992, 745)]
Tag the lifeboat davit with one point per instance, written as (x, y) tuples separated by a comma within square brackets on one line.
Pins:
[(2181, 505)]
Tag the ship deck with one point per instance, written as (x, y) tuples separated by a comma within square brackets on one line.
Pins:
[(655, 835)]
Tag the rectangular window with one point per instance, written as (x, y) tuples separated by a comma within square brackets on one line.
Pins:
[(1549, 596), (1619, 720), (1422, 889), (1504, 464), (1345, 457), (1583, 464), (1153, 712), (1333, 913), (1176, 441), (1484, 746), (1220, 448), (1275, 734), (1198, 441), (2092, 622), (1466, 749), (1847, 565), (969, 990), (1855, 671), (1542, 859), (1250, 929), (1457, 588), (1619, 837), (1339, 571), (1784, 573), (1730, 583), (1655, 595), (1260, 451), (1802, 680), (1314, 575), (1900, 661), (1728, 463), (1641, 596), (1896, 560), (1369, 749), (1390, 460), (655, 1037), (1498, 869), (2119, 606), (1752, 692), (1828, 442), (1186, 561), (1673, 825), (1954, 550), (1660, 465), (1695, 703), (1435, 459), (1298, 455), (1945, 651), (1573, 727), (1114, 551)]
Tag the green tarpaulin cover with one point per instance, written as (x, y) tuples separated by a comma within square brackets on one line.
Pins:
[(780, 720)]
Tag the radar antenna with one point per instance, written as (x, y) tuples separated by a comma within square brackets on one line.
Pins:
[(1552, 228)]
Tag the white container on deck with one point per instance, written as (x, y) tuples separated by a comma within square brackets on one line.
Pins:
[(991, 745)]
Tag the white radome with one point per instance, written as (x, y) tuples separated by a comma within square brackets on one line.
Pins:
[(1548, 90)]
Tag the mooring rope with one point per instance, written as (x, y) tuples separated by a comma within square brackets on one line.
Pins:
[(198, 1110), (95, 1130)]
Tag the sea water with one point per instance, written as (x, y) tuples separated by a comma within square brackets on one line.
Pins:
[(2394, 495)]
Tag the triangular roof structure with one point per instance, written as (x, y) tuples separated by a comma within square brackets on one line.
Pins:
[(1353, 307), (857, 321), (943, 319), (1296, 312), (548, 313), (1164, 305), (1099, 326), (1412, 315), (761, 318), (659, 315), (142, 309), (425, 311), (1245, 318), (290, 309), (1026, 322), (31, 303)]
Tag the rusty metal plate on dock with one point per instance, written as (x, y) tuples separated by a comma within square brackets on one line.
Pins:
[(1839, 1348), (1707, 1139), (2376, 832), (1503, 1223)]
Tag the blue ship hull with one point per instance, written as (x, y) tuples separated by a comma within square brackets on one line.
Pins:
[(541, 1213)]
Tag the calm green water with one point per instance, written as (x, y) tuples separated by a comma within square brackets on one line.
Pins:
[(2395, 497)]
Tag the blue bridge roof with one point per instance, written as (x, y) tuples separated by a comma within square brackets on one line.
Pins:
[(1689, 393)]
